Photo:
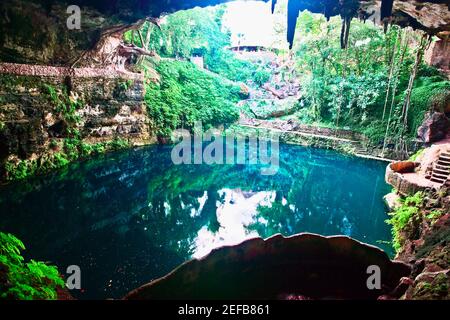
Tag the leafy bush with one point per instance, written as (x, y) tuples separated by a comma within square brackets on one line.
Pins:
[(73, 149), (198, 31), (402, 216), (375, 132), (416, 155), (348, 87), (187, 94), (25, 281), (427, 95), (261, 77), (225, 63)]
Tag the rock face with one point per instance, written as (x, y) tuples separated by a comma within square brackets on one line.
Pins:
[(402, 177), (35, 31), (434, 128), (425, 238), (438, 55), (427, 248), (305, 265), (37, 108)]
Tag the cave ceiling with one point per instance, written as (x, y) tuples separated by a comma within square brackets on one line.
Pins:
[(34, 31)]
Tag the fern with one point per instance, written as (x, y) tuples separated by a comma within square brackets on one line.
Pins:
[(402, 216), (25, 281)]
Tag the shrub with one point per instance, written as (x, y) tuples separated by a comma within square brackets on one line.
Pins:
[(261, 77), (427, 95), (416, 155), (25, 281), (186, 95), (402, 216)]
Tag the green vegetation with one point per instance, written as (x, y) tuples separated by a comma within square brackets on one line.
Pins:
[(186, 94), (25, 281), (435, 214), (61, 151), (437, 289), (63, 105), (261, 76), (415, 156), (364, 87), (430, 93), (403, 216), (198, 32), (73, 149)]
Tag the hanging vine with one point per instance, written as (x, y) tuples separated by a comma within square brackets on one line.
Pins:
[(391, 71), (399, 63), (403, 146), (424, 41)]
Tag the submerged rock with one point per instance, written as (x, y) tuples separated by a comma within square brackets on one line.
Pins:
[(304, 265)]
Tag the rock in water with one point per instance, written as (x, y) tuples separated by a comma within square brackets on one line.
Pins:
[(434, 127), (306, 265)]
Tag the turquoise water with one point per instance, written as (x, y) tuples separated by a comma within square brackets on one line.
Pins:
[(130, 217)]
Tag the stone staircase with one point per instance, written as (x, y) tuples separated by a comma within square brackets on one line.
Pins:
[(441, 169)]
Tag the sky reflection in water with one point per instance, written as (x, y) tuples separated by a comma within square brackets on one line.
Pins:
[(130, 217)]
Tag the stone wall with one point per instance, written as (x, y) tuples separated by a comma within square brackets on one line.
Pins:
[(438, 55), (42, 105)]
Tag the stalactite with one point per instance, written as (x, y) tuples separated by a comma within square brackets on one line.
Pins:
[(328, 10), (292, 15), (345, 31), (342, 33), (386, 8), (347, 9), (274, 2)]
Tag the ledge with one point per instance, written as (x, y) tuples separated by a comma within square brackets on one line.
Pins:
[(50, 71)]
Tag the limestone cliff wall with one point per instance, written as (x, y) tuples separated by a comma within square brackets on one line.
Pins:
[(438, 55), (42, 106)]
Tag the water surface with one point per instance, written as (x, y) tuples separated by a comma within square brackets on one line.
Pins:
[(130, 217)]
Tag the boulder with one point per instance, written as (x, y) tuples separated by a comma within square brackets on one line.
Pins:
[(305, 265), (404, 166), (404, 186), (434, 128), (430, 286)]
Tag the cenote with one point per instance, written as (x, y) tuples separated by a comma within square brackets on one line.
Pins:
[(129, 217)]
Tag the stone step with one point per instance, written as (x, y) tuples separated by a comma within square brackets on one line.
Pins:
[(443, 157), (437, 180), (441, 171), (439, 166), (439, 175), (443, 162)]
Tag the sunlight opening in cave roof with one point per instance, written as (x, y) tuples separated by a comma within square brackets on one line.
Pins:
[(251, 23)]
